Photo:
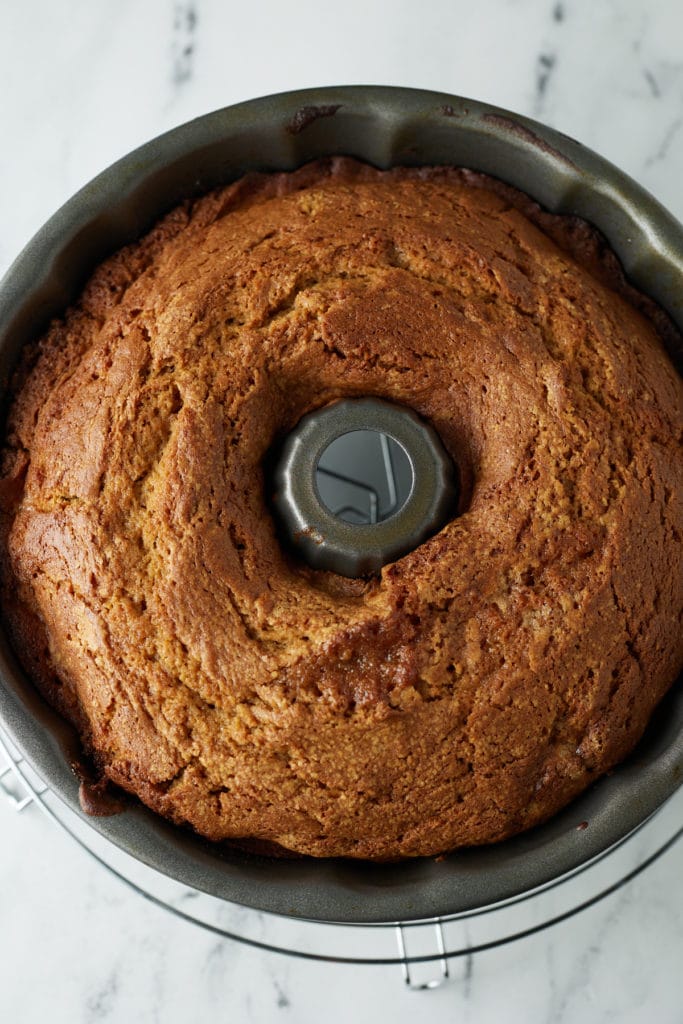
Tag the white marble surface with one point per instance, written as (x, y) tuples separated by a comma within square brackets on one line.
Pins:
[(84, 81)]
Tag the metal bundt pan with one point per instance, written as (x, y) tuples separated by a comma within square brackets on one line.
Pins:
[(385, 126)]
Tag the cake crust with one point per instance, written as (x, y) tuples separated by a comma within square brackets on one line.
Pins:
[(473, 687)]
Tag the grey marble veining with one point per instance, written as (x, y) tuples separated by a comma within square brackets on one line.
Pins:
[(185, 26), (80, 84)]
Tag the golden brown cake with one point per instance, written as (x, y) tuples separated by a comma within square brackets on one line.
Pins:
[(473, 687)]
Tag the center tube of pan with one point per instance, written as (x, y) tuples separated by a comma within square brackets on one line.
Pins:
[(361, 482)]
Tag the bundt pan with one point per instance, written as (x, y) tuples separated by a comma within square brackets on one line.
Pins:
[(387, 127)]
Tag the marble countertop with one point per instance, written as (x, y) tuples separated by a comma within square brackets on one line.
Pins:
[(83, 82)]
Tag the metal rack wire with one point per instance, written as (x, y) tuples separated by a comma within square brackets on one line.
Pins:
[(416, 943)]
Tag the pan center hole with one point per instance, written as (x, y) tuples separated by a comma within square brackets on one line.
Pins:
[(364, 477)]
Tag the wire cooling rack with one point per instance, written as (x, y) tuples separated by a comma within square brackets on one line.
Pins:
[(415, 946)]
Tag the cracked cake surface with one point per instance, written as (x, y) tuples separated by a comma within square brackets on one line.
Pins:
[(470, 689)]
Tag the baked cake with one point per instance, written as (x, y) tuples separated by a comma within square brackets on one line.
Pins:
[(470, 689)]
